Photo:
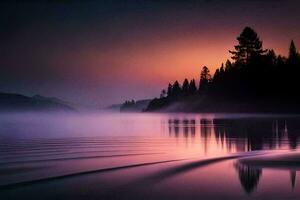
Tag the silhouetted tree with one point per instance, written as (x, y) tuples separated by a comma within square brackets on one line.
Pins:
[(176, 89), (192, 87), (228, 66), (271, 56), (222, 70), (169, 92), (216, 75), (127, 105), (280, 60), (255, 77), (219, 76), (185, 87), (163, 93), (293, 65), (280, 70), (249, 45), (205, 78), (293, 50), (294, 57), (129, 102)]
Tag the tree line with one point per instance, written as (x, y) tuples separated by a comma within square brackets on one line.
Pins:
[(252, 73)]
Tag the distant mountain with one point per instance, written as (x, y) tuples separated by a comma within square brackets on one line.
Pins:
[(18, 102)]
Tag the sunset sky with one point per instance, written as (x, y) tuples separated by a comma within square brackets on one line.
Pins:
[(104, 52)]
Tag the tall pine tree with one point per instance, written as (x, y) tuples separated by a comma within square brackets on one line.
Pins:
[(185, 87), (205, 78), (249, 45), (192, 87)]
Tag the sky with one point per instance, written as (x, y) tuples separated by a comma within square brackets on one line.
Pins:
[(105, 52)]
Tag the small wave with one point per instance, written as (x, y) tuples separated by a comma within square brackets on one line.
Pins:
[(76, 158), (44, 180), (196, 164), (157, 177)]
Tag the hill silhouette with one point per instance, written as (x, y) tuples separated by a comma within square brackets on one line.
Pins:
[(18, 102)]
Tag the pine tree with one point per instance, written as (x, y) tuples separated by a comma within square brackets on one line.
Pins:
[(249, 45), (292, 50), (163, 93), (280, 61), (228, 66), (192, 87), (271, 56), (294, 57), (222, 70), (176, 89), (293, 63), (216, 75), (185, 87), (169, 92), (205, 78)]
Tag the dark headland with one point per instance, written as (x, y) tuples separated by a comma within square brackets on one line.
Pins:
[(255, 80)]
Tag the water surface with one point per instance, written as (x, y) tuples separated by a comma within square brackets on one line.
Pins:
[(149, 156)]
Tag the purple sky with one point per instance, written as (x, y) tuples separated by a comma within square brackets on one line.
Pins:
[(104, 52)]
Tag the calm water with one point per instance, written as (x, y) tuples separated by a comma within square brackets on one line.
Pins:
[(144, 156)]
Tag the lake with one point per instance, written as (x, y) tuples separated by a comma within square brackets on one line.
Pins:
[(146, 156)]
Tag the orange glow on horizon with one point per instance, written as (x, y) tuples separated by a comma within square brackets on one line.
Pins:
[(159, 62)]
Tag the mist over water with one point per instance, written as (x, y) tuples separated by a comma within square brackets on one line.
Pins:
[(61, 125), (121, 156)]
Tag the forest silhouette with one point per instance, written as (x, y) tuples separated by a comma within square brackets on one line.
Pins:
[(256, 80)]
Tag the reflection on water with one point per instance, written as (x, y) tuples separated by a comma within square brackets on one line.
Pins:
[(39, 147), (249, 177), (245, 134), (293, 178)]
